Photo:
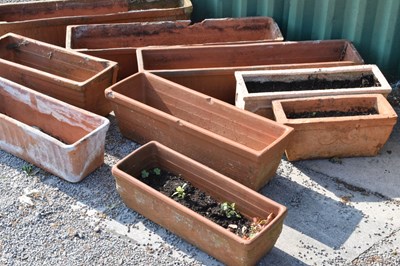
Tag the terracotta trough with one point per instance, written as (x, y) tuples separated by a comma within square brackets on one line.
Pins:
[(194, 228), (60, 138), (249, 83), (210, 69), (69, 76), (237, 143), (118, 42), (344, 136), (47, 20)]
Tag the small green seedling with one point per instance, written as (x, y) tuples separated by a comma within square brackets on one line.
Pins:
[(180, 191), (145, 174), (157, 171), (27, 169), (229, 210)]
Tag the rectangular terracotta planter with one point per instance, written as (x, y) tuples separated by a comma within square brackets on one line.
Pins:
[(57, 137), (210, 69), (261, 102), (69, 76), (347, 136), (237, 143), (47, 20), (191, 226), (118, 42)]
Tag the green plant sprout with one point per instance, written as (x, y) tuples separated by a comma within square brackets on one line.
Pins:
[(145, 173), (229, 210), (157, 171), (27, 169), (180, 191)]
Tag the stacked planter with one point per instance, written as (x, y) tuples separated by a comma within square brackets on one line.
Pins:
[(250, 95), (210, 69), (47, 20), (118, 42)]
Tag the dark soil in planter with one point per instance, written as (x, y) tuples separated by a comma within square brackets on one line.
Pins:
[(351, 112), (196, 200), (311, 84)]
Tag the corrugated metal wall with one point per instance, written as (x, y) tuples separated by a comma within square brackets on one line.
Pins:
[(372, 25)]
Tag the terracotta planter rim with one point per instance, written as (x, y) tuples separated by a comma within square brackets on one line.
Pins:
[(124, 100), (199, 217), (103, 122), (283, 119)]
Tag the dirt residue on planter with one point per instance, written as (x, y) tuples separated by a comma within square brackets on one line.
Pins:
[(311, 84)]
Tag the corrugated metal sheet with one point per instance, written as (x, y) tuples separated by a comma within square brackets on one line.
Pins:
[(373, 26)]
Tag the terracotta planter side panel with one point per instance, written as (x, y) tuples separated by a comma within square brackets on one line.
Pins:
[(240, 56), (46, 9), (209, 31)]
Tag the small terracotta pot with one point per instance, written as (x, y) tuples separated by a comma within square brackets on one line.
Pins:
[(346, 136), (210, 69), (261, 102), (57, 137), (191, 226), (69, 76), (237, 143), (118, 42), (47, 20)]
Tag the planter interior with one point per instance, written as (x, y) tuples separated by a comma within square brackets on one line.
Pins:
[(347, 136), (60, 138), (240, 144), (298, 83), (66, 75), (208, 236), (117, 42)]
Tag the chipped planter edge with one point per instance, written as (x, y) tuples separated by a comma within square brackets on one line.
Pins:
[(71, 162), (349, 136), (188, 224), (87, 94), (261, 102), (243, 150)]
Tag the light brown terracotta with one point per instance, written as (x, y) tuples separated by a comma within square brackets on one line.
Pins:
[(57, 137), (47, 20), (194, 228), (69, 76), (261, 102), (210, 69), (118, 42), (347, 136), (237, 143)]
